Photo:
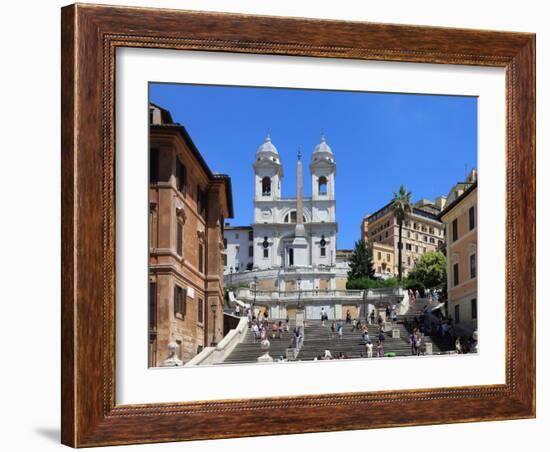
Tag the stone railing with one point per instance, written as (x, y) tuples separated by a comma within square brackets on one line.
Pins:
[(357, 296), (217, 354), (248, 277), (249, 295)]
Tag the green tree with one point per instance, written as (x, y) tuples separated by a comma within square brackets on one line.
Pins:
[(402, 207), (360, 262), (430, 270)]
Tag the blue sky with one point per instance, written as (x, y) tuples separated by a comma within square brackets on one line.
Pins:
[(380, 140)]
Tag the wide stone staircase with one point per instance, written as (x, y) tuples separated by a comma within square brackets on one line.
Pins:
[(249, 351), (319, 337)]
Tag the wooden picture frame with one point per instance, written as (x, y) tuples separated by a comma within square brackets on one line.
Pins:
[(90, 36)]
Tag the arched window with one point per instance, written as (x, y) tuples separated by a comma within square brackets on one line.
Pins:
[(266, 186), (292, 217), (322, 185)]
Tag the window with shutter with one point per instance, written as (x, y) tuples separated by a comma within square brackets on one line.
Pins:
[(181, 175), (473, 269), (471, 218), (180, 296), (204, 200), (201, 258), (153, 165), (183, 302), (179, 239), (201, 201), (177, 309), (455, 230), (152, 305), (455, 275)]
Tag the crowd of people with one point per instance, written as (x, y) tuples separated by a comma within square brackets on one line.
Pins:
[(262, 328), (439, 327), (418, 327), (373, 347)]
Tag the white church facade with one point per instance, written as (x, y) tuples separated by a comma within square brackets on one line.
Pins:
[(292, 241), (294, 232)]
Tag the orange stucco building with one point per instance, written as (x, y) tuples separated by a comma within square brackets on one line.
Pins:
[(460, 219), (188, 204)]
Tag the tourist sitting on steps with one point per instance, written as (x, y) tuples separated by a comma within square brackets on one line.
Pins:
[(458, 345), (281, 329)]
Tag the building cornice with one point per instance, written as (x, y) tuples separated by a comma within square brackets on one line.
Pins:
[(457, 201)]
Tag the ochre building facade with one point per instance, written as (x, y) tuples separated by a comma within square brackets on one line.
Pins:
[(460, 219), (422, 232)]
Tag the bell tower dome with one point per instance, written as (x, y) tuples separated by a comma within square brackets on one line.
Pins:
[(323, 170), (268, 172)]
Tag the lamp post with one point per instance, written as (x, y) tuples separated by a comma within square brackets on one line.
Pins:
[(299, 281), (214, 308), (231, 277), (255, 292)]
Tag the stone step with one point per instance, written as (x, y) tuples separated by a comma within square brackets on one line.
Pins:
[(317, 339)]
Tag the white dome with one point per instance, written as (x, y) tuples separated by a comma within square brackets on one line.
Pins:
[(322, 151), (267, 147)]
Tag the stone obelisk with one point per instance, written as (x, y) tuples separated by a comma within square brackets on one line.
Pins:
[(300, 243)]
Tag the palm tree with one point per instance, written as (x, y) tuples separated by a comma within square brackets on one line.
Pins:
[(402, 206)]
